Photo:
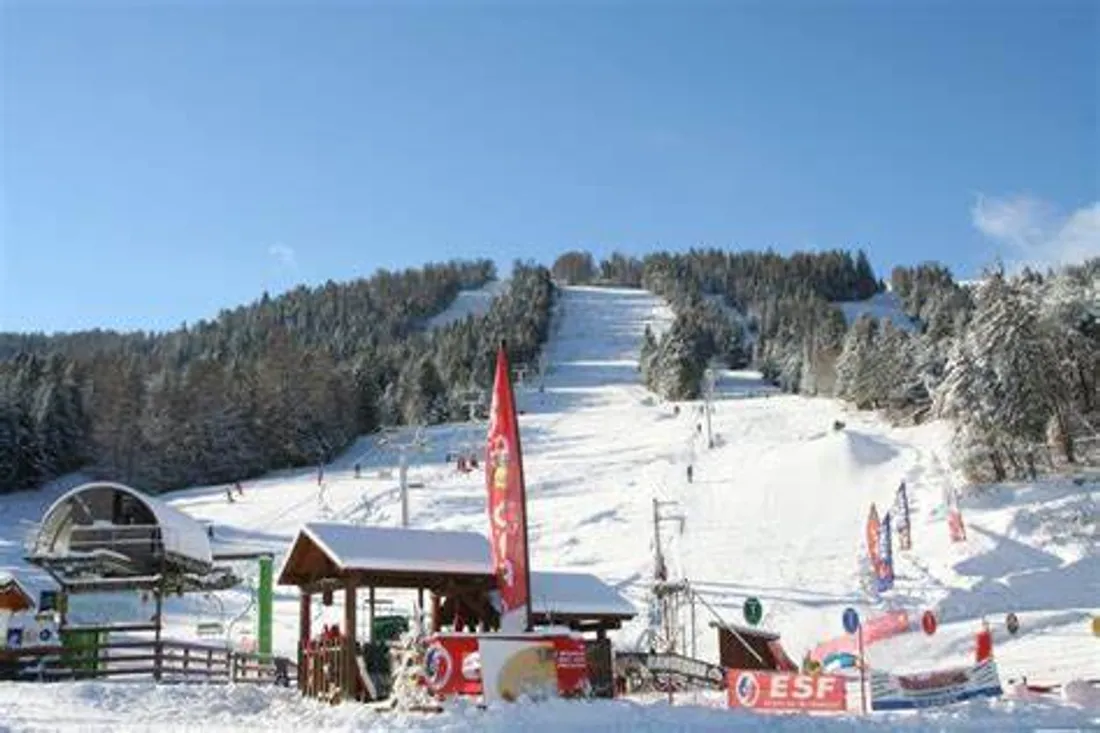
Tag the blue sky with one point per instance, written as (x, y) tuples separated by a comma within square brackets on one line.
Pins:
[(160, 162)]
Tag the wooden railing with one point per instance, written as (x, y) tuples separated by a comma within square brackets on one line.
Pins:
[(165, 661)]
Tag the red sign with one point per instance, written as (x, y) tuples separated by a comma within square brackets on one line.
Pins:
[(786, 691), (928, 622), (507, 503), (452, 665), (572, 662)]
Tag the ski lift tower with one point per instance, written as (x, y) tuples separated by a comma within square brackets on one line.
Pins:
[(418, 443), (473, 400), (710, 377)]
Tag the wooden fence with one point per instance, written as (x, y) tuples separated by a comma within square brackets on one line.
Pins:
[(164, 661)]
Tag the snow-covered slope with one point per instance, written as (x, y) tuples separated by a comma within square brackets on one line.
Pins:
[(882, 306), (474, 302), (776, 510)]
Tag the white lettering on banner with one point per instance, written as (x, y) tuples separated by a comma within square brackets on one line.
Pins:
[(804, 687)]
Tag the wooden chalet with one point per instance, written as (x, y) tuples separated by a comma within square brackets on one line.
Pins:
[(14, 598), (454, 567)]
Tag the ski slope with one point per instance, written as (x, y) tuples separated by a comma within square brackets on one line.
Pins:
[(474, 302), (776, 510)]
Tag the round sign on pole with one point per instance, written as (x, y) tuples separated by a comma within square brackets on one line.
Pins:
[(928, 622), (1012, 623), (753, 610), (851, 620)]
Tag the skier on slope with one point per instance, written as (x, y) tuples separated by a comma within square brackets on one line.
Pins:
[(690, 472)]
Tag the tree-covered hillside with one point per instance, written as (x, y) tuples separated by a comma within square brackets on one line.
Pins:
[(291, 380), (282, 382), (1015, 361)]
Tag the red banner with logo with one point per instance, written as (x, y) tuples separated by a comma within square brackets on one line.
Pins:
[(507, 503), (452, 665), (777, 691)]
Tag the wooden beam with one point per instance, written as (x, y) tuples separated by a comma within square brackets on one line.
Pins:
[(305, 620), (370, 616), (351, 667)]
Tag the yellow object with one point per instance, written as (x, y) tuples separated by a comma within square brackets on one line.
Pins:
[(1096, 625)]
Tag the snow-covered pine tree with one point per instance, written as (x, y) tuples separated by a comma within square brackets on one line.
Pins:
[(968, 394), (855, 366), (1007, 334), (409, 691)]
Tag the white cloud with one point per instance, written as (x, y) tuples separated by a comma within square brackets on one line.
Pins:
[(283, 254), (1032, 233)]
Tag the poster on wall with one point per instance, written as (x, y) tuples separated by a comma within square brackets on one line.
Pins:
[(514, 666), (934, 689)]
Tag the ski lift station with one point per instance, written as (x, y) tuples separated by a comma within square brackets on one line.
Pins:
[(108, 536)]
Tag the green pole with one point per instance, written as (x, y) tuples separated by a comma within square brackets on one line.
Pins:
[(264, 602)]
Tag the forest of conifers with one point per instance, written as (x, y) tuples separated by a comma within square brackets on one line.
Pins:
[(292, 380)]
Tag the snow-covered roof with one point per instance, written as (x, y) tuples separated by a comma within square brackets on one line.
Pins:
[(10, 586), (397, 549), (181, 534), (576, 594)]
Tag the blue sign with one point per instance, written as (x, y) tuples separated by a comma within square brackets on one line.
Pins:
[(851, 620)]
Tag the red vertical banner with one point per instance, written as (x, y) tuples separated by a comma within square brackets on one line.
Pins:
[(507, 504), (874, 531)]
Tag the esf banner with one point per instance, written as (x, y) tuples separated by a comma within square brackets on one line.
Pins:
[(934, 689), (778, 691)]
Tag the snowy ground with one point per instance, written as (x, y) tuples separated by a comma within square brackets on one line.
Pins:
[(882, 306), (102, 708), (777, 510), (474, 302)]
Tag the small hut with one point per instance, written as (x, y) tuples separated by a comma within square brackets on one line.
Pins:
[(455, 567), (14, 598), (740, 647)]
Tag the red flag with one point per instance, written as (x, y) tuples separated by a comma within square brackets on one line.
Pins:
[(507, 504), (874, 529)]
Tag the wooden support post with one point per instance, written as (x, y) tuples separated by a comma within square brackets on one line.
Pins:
[(305, 619), (437, 613), (350, 665), (370, 616), (158, 646)]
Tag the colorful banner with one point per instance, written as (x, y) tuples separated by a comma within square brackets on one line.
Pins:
[(904, 525), (785, 691), (874, 532), (875, 629), (934, 689), (955, 526), (507, 504), (885, 571)]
